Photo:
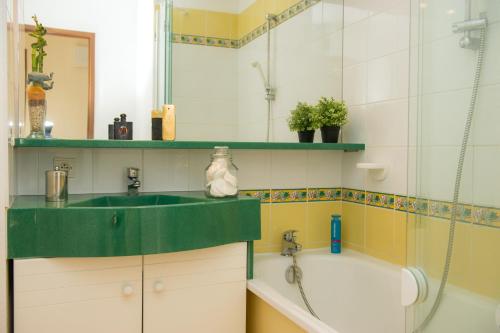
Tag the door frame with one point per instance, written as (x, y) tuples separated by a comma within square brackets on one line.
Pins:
[(90, 36)]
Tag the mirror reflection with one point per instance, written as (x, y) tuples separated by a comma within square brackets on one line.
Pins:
[(240, 66), (234, 69)]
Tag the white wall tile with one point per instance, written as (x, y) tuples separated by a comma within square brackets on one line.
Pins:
[(324, 168), (355, 131), (443, 117), (27, 172), (166, 170), (355, 82), (486, 116), (81, 182), (396, 160), (379, 79), (254, 168), (387, 123), (353, 177), (437, 171), (486, 177), (288, 169), (199, 159), (110, 169), (355, 43)]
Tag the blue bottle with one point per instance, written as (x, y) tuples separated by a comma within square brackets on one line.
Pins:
[(336, 234)]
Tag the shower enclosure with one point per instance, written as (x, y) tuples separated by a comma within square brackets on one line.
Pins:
[(454, 149)]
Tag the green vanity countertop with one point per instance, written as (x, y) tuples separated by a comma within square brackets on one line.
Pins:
[(102, 225)]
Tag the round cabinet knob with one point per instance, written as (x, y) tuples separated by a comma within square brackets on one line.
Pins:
[(158, 286), (127, 290)]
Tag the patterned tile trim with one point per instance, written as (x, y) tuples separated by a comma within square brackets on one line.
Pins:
[(257, 32), (352, 195), (295, 195), (263, 195), (442, 209), (380, 199), (205, 41)]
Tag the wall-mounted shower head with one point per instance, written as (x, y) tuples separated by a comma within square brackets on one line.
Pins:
[(470, 25), (468, 41)]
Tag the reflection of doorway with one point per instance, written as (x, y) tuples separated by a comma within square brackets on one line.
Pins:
[(70, 104)]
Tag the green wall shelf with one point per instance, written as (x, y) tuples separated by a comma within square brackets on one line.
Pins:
[(145, 144)]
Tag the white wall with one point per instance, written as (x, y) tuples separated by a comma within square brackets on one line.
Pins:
[(124, 54), (375, 87)]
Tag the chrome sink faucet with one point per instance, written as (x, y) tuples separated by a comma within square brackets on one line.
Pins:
[(133, 181), (289, 243)]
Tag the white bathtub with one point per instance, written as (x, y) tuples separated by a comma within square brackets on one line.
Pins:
[(350, 292)]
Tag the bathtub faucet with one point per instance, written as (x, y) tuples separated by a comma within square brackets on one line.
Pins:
[(289, 244)]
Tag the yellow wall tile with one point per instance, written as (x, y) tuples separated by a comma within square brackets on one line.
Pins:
[(191, 21), (411, 242), (400, 238), (484, 261), (263, 244), (221, 25), (353, 225), (318, 223), (285, 217), (263, 318), (380, 233), (281, 5)]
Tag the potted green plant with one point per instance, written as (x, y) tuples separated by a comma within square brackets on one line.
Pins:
[(331, 116), (303, 121)]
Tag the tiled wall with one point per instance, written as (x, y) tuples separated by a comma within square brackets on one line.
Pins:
[(104, 170), (440, 95), (375, 87)]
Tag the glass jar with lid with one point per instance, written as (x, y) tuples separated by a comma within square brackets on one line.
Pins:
[(221, 175)]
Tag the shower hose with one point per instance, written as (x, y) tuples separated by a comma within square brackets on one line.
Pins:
[(299, 282), (458, 180)]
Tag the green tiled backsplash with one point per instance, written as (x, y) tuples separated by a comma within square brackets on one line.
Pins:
[(466, 213), (257, 32)]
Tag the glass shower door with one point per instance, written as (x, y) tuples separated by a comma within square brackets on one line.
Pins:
[(446, 70)]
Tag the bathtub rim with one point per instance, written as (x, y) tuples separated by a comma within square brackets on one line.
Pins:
[(292, 311)]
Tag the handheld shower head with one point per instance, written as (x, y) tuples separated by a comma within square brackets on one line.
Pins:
[(257, 65)]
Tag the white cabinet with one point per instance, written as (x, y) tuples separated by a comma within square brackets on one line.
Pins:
[(183, 292), (78, 295), (196, 291)]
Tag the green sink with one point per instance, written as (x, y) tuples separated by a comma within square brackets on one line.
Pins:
[(120, 225), (136, 201)]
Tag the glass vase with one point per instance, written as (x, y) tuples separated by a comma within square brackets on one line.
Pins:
[(37, 106), (221, 176)]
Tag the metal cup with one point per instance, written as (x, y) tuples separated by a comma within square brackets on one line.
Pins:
[(56, 185)]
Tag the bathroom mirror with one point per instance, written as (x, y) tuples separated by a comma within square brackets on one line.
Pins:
[(72, 100), (230, 79)]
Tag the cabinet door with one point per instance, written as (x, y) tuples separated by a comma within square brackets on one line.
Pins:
[(196, 291), (78, 295)]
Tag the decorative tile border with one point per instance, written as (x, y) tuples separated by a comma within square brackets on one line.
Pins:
[(292, 195), (205, 41), (489, 216), (351, 195), (257, 32)]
